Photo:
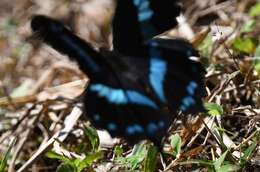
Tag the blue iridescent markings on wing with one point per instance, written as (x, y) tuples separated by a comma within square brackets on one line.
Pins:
[(161, 124), (138, 98), (156, 76), (145, 14), (134, 129), (158, 69), (112, 127), (152, 128), (96, 117), (119, 96), (192, 87), (144, 11), (188, 101)]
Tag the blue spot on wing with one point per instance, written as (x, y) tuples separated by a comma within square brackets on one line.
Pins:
[(144, 11), (153, 127), (158, 68), (161, 124), (145, 14), (120, 96), (192, 87), (156, 76), (138, 98), (96, 117), (112, 127), (134, 129), (188, 100)]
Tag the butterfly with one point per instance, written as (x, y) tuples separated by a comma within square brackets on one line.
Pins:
[(136, 89)]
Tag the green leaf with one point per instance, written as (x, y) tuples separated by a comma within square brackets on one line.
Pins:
[(118, 151), (257, 67), (66, 167), (92, 135), (206, 46), (217, 164), (244, 45), (248, 26), (247, 153), (54, 155), (228, 168), (213, 109), (86, 162), (176, 144), (257, 60), (255, 10), (257, 51), (211, 169), (150, 160), (200, 162), (135, 158), (3, 162)]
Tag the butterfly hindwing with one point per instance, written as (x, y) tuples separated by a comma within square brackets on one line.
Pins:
[(174, 77), (125, 113)]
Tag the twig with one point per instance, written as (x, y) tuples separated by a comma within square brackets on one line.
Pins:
[(231, 55), (246, 140), (209, 10), (198, 132), (61, 135), (9, 98), (21, 142)]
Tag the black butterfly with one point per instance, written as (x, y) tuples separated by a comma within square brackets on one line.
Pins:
[(135, 90)]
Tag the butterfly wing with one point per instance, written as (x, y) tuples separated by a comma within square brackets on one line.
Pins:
[(138, 20), (128, 94), (59, 37), (176, 79), (117, 98), (122, 105)]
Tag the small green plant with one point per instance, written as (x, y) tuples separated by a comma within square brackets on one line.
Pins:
[(74, 164), (218, 165), (92, 136), (3, 161), (176, 145), (255, 10), (150, 159), (206, 46), (244, 45), (222, 165), (213, 109), (143, 157), (133, 160), (249, 26), (249, 151)]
